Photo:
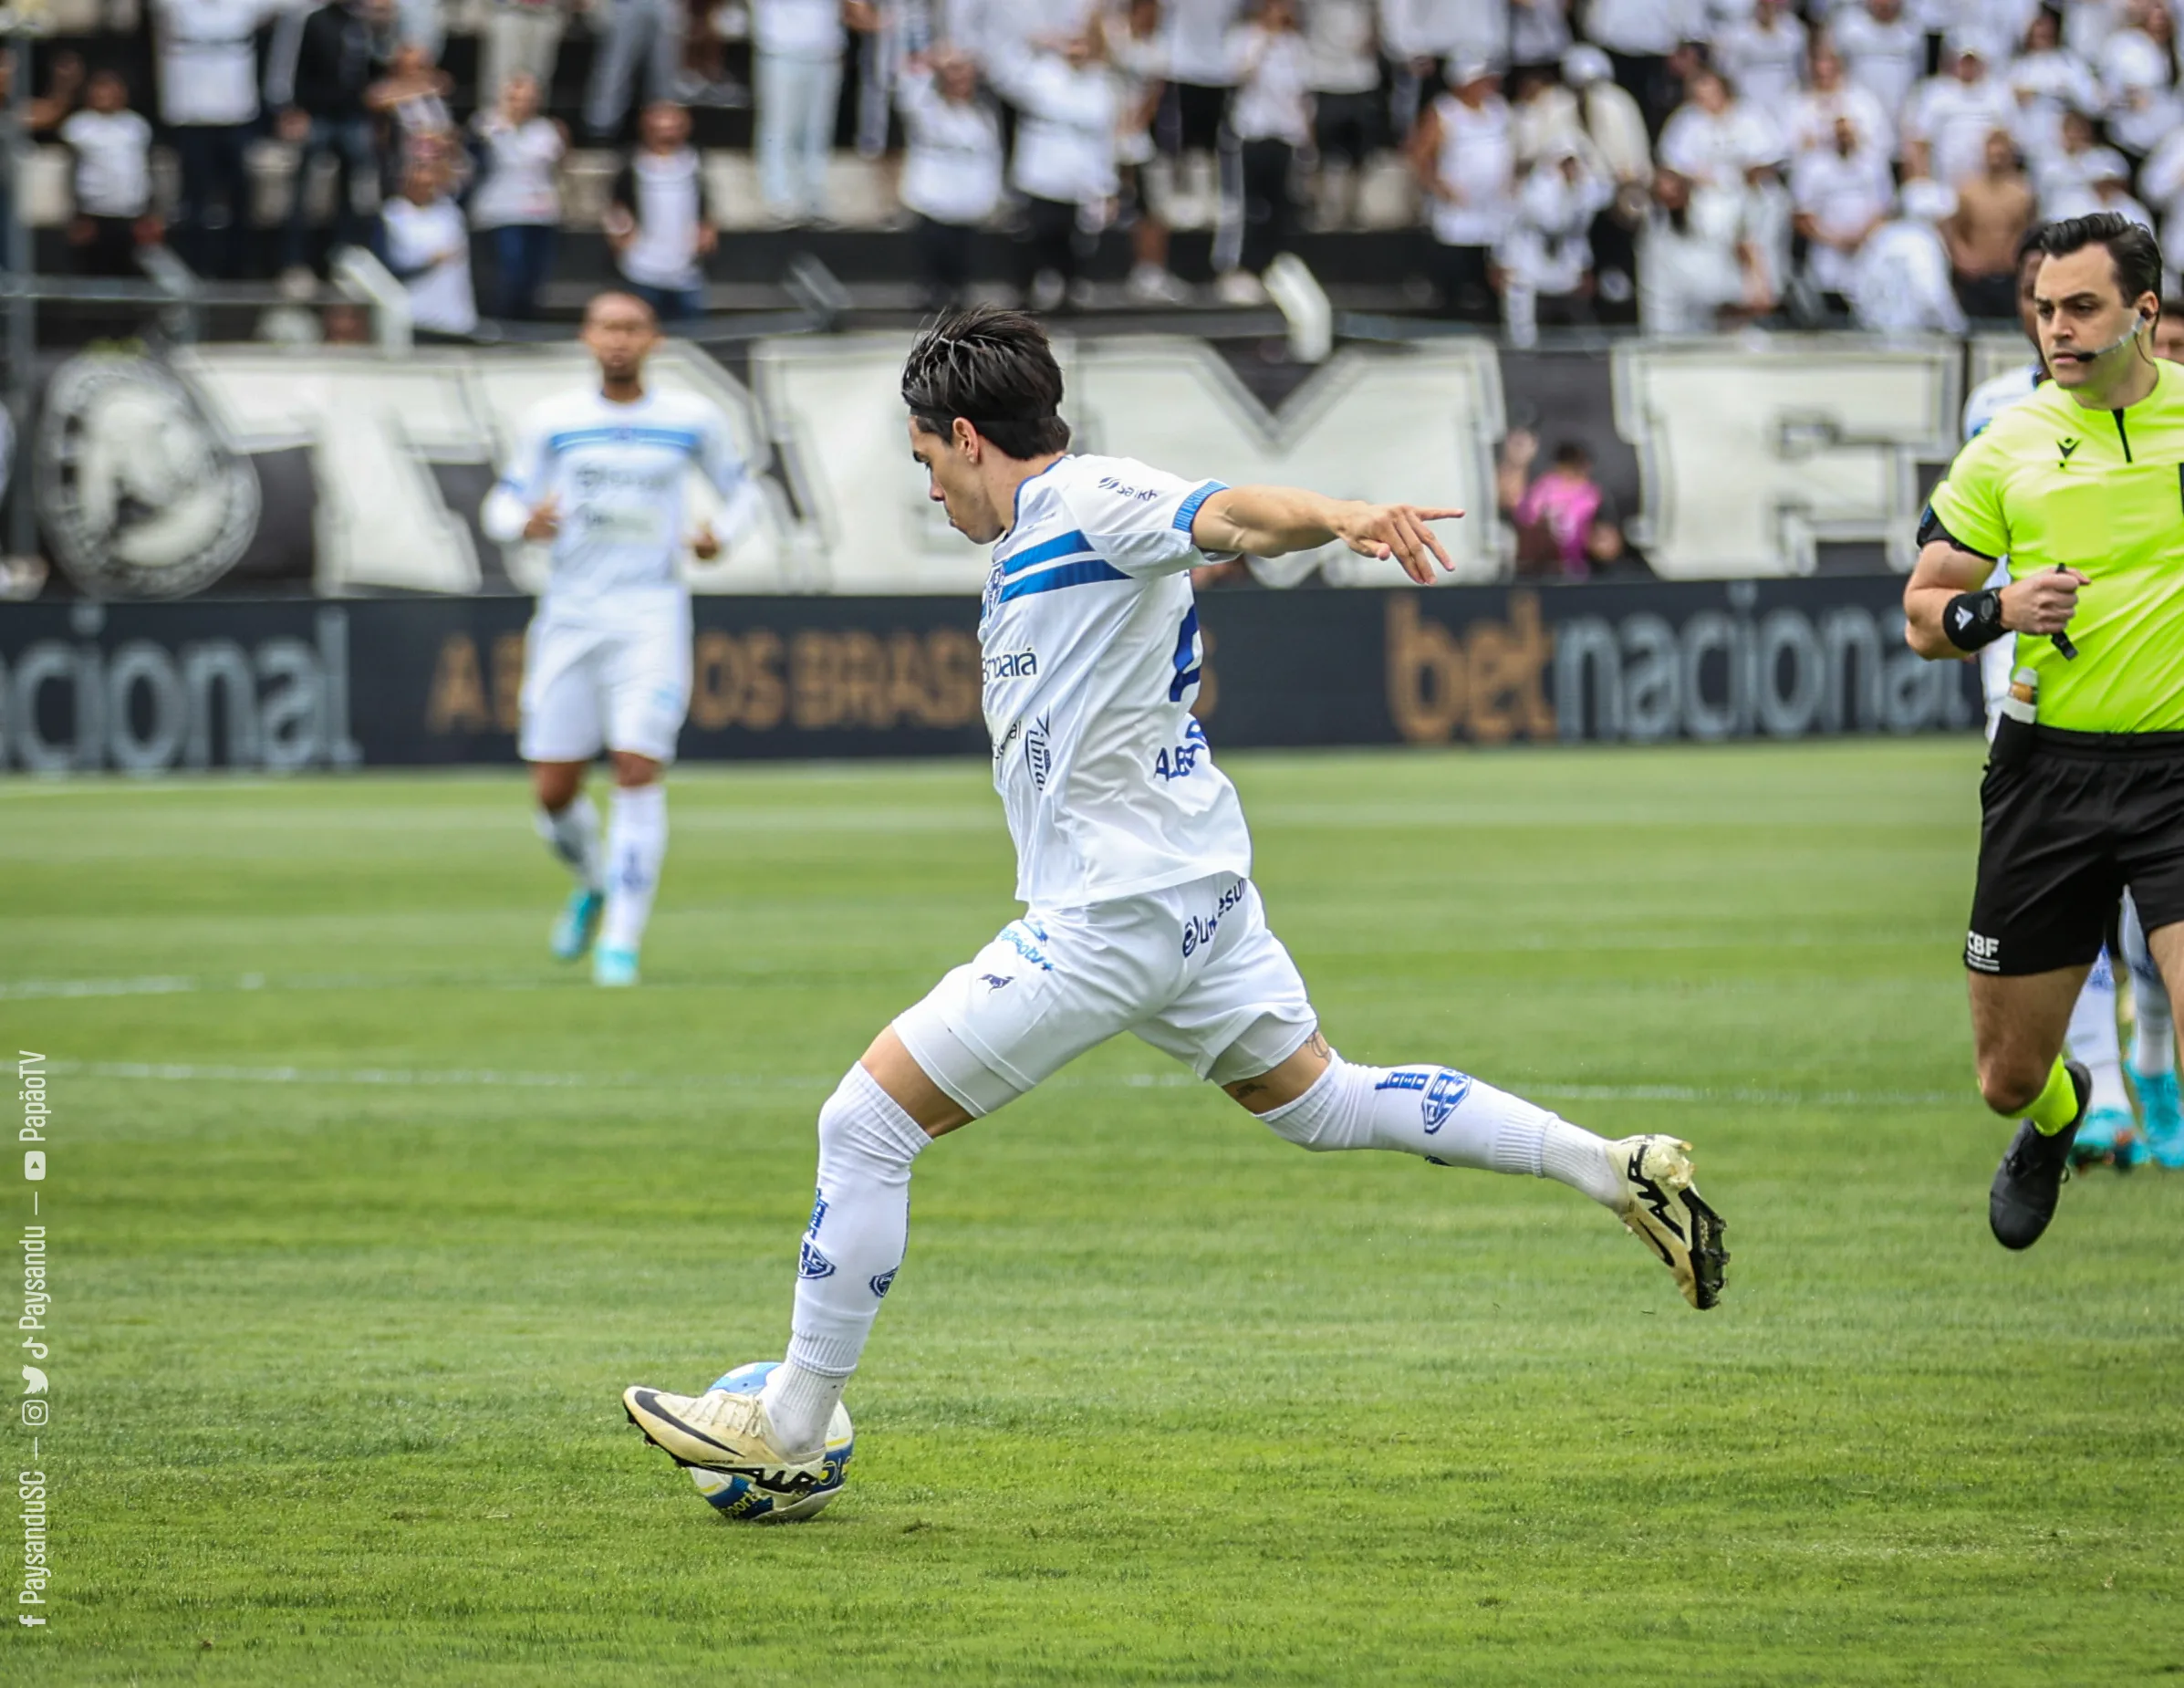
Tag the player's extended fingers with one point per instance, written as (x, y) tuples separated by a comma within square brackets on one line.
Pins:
[(1428, 539)]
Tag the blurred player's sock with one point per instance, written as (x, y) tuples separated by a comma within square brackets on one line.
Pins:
[(573, 835), (636, 837), (1449, 1118), (2094, 1044), (860, 1228)]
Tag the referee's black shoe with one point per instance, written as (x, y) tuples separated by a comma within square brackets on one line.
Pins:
[(2029, 1180)]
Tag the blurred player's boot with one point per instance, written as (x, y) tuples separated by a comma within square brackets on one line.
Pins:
[(2029, 1182), (2164, 1118), (615, 969), (2109, 1137), (720, 1432), (577, 924), (1663, 1209)]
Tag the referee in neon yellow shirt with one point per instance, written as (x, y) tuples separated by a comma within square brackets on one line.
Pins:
[(2081, 487)]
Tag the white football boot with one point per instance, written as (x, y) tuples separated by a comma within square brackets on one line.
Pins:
[(1663, 1209), (722, 1432)]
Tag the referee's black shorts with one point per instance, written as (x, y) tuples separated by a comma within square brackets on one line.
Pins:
[(2086, 816)]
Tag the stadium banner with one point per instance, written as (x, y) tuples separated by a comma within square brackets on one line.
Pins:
[(386, 682), (336, 472)]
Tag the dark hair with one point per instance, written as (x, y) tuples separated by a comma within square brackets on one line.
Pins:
[(2131, 247), (1570, 454), (995, 370)]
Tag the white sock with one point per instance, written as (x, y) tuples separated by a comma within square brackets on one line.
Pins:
[(860, 1228), (1448, 1118), (2094, 1040), (573, 835), (636, 845), (2154, 1021)]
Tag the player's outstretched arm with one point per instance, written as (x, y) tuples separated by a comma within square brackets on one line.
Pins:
[(1268, 521)]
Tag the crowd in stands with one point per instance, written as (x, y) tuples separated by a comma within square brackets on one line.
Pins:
[(1689, 163)]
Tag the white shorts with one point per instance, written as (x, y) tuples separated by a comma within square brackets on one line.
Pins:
[(619, 683), (1193, 969)]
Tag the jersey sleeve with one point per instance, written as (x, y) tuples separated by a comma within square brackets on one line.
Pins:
[(1139, 518), (524, 482), (718, 459), (1969, 504)]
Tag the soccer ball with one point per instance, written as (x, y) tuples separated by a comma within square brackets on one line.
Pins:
[(735, 1496)]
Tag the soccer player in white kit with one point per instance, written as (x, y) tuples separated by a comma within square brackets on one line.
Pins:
[(1134, 864), (601, 474)]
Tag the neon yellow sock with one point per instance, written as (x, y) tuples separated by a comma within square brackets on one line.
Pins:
[(2058, 1105)]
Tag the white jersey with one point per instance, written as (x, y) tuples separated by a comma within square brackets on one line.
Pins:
[(1091, 660), (619, 472)]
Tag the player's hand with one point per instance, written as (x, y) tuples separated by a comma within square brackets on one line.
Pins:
[(1398, 531), (2043, 602), (546, 521), (705, 545)]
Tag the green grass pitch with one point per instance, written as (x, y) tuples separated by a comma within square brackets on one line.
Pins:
[(362, 1213)]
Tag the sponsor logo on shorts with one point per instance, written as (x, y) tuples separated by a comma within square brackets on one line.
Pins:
[(1982, 954), (995, 981), (1025, 939), (881, 1282), (1038, 753), (1440, 1091), (1010, 665), (811, 1263), (1199, 930), (1001, 745)]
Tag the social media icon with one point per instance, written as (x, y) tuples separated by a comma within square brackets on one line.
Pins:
[(34, 1410), (34, 1164)]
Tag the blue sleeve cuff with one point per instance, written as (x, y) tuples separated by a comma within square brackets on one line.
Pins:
[(1186, 513)]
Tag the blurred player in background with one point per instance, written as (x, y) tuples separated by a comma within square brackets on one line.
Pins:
[(1133, 861), (600, 474)]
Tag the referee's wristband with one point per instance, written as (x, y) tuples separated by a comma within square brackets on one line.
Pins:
[(1973, 619)]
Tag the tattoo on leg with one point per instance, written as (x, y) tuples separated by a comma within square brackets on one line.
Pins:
[(1244, 1088), (1317, 1044)]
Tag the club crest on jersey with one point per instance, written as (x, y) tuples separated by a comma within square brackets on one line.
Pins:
[(990, 599), (811, 1263), (1038, 753)]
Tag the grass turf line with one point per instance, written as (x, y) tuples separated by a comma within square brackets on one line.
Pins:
[(1156, 1399)]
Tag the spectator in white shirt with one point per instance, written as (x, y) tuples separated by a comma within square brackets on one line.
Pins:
[(2064, 179), (655, 220), (1952, 114), (1138, 51), (2046, 80), (2138, 71), (951, 169), (1271, 117), (2112, 191), (209, 105), (2161, 184), (1901, 283), (1200, 73), (1543, 120), (515, 199), (1640, 37), (112, 147), (1884, 52), (1546, 255), (1832, 97), (1068, 104), (1698, 264), (1348, 116), (1615, 136), (1842, 195), (1764, 56), (797, 48), (424, 242), (1465, 157), (1715, 138)]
